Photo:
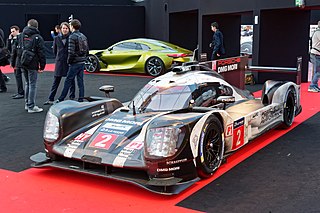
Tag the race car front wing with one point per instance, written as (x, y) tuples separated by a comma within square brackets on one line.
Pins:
[(166, 186)]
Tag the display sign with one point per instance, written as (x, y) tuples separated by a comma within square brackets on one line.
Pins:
[(227, 65), (232, 69)]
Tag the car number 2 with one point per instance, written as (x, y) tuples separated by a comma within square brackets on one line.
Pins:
[(238, 136), (103, 141)]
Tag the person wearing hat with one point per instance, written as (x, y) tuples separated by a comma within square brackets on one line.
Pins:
[(217, 42)]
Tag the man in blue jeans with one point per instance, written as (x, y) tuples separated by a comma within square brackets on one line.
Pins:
[(315, 60), (77, 54), (31, 40)]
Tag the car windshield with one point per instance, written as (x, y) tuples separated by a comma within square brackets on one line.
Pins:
[(157, 98)]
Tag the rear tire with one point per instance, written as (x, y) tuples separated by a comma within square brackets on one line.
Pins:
[(289, 109), (92, 64), (154, 66), (211, 148)]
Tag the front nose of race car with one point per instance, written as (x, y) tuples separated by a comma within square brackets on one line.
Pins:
[(168, 157)]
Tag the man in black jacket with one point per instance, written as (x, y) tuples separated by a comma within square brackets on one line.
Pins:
[(77, 54), (32, 41), (11, 44), (217, 42), (3, 87)]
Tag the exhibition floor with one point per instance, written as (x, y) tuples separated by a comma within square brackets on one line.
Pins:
[(277, 172)]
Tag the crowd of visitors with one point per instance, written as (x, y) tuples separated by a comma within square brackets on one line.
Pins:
[(25, 53)]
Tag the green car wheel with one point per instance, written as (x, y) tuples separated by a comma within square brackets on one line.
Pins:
[(92, 64), (154, 66)]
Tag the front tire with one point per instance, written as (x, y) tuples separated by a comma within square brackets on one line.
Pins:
[(154, 66), (92, 64), (211, 148), (289, 109)]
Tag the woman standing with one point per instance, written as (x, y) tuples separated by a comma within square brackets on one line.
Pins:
[(60, 49)]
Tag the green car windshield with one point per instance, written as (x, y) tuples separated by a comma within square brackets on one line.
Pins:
[(166, 98)]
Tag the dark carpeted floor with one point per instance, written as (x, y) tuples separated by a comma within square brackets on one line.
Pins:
[(282, 177), (21, 133)]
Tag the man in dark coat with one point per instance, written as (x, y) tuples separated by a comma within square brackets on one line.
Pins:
[(31, 36), (77, 55), (60, 50), (3, 87), (217, 42), (12, 43)]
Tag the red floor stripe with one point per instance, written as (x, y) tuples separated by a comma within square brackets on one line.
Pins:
[(8, 69), (53, 190), (51, 67)]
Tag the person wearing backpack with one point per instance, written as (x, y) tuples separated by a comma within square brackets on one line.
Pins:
[(3, 87), (32, 61), (315, 60), (77, 54)]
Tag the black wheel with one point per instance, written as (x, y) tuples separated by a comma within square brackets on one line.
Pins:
[(92, 64), (289, 109), (211, 148), (154, 66)]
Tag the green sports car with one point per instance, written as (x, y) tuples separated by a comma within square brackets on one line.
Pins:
[(140, 55)]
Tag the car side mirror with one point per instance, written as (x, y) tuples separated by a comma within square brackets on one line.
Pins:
[(110, 48), (226, 100), (107, 89)]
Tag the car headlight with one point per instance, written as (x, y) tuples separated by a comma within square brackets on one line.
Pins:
[(163, 141), (51, 127)]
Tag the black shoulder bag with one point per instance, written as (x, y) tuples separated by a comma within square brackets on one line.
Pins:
[(27, 55)]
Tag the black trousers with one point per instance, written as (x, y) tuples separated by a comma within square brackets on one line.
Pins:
[(18, 75), (214, 56), (2, 82), (54, 88)]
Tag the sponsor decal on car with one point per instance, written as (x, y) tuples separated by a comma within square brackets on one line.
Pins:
[(135, 145), (125, 121), (117, 126), (76, 142), (111, 131), (168, 169), (271, 114), (71, 148), (176, 161), (98, 112), (103, 141), (229, 130), (238, 133)]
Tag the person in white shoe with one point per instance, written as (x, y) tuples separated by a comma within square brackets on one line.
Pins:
[(32, 41), (315, 60)]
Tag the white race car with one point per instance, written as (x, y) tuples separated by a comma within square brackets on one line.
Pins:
[(177, 129)]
